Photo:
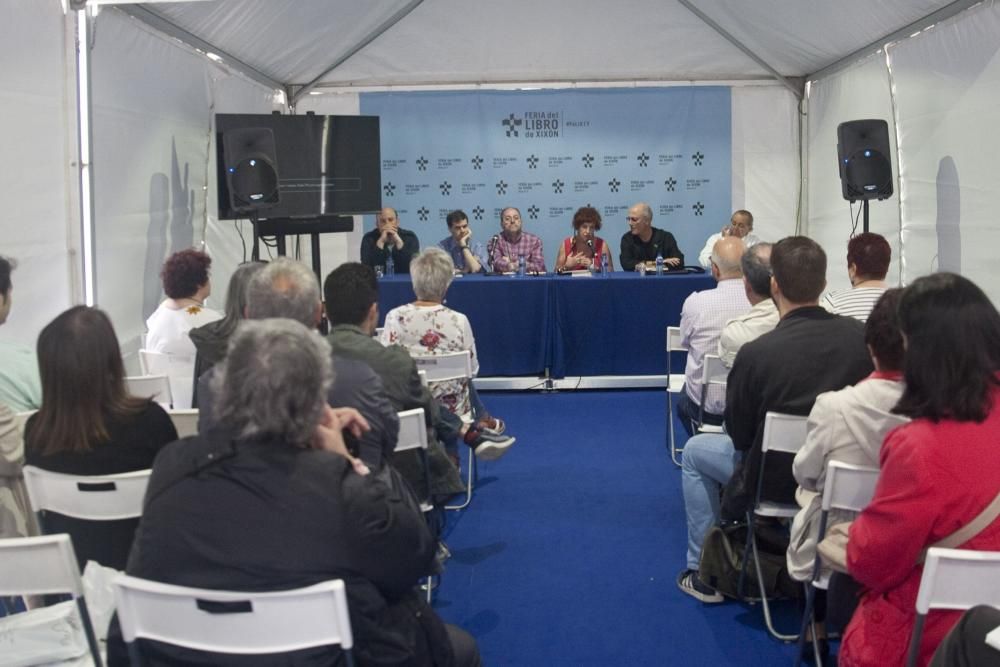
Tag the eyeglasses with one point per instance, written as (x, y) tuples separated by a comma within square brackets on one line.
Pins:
[(515, 218)]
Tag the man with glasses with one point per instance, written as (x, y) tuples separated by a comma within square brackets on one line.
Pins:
[(642, 243), (740, 226), (512, 243)]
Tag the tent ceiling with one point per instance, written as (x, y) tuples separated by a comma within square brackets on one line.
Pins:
[(456, 41)]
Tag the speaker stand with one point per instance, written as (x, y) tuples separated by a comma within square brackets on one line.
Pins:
[(864, 214), (279, 228), (255, 252)]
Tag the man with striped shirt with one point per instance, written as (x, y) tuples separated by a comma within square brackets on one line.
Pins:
[(868, 257)]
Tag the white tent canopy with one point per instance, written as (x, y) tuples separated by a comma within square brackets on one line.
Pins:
[(158, 73)]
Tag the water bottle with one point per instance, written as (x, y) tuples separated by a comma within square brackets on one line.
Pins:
[(659, 264), (390, 265), (595, 264), (522, 266)]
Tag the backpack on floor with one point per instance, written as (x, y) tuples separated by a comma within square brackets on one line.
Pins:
[(722, 561)]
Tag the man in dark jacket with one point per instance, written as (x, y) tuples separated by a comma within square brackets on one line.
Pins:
[(810, 351), (389, 241), (271, 500)]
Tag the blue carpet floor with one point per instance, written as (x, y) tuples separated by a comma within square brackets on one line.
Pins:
[(569, 551)]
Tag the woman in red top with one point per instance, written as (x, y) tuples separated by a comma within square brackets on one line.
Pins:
[(578, 251), (938, 472)]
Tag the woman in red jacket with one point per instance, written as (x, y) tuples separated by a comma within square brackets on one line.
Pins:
[(938, 472)]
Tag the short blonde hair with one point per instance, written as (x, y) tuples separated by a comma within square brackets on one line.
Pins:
[(431, 272)]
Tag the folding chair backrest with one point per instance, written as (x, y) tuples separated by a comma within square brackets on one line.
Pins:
[(423, 377), (959, 579), (39, 566), (178, 367), (848, 486), (674, 340), (441, 367), (783, 433), (713, 370), (94, 498), (153, 363), (412, 430), (185, 421), (234, 622), (156, 387)]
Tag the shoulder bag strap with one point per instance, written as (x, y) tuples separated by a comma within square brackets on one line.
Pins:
[(969, 530)]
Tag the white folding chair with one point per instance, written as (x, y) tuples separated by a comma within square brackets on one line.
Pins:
[(846, 487), (156, 387), (675, 385), (46, 566), (423, 377), (413, 436), (179, 368), (233, 622), (782, 433), (713, 374), (452, 366), (185, 421), (954, 579), (91, 497)]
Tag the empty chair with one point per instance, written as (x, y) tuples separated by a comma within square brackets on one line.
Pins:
[(675, 385), (46, 566), (233, 622)]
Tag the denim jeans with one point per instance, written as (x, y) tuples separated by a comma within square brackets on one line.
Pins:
[(707, 464)]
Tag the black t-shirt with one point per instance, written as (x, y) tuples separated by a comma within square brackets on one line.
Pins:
[(633, 250)]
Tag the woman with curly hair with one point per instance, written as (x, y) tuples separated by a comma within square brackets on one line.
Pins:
[(578, 251)]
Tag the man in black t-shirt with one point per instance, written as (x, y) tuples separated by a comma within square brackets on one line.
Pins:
[(643, 242)]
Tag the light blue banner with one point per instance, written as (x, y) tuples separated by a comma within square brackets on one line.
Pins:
[(550, 152)]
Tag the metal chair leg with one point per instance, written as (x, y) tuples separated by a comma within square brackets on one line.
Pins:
[(670, 430), (763, 594), (470, 478), (807, 622)]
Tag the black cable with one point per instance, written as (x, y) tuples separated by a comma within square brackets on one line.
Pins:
[(239, 230), (854, 219)]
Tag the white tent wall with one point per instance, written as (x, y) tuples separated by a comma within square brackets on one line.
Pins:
[(861, 91), (37, 180), (154, 180)]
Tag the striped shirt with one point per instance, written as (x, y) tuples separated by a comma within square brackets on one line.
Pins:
[(856, 303)]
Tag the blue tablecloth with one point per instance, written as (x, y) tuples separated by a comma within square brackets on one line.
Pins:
[(608, 325)]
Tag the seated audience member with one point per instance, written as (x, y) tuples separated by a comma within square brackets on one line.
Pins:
[(20, 387), (810, 351), (513, 243), (868, 257), (387, 240), (468, 255), (642, 243), (762, 316), (428, 327), (702, 318), (740, 225), (351, 293), (288, 289), (578, 251), (16, 517), (187, 285), (89, 425), (965, 645), (272, 500), (211, 340), (938, 472)]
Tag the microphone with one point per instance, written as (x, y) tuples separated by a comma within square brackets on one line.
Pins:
[(489, 250), (590, 243)]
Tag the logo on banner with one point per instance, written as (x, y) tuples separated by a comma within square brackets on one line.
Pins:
[(699, 208), (511, 123), (422, 163), (501, 188), (422, 213), (698, 158), (588, 160), (477, 162), (533, 212), (532, 161), (477, 213), (557, 186), (389, 189), (614, 184), (643, 159), (445, 188), (670, 184)]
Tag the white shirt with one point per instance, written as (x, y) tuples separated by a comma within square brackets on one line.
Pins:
[(705, 257), (702, 318), (168, 328), (739, 331), (857, 302)]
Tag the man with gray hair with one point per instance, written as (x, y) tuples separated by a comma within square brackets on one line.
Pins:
[(272, 501), (702, 317), (763, 316), (289, 289)]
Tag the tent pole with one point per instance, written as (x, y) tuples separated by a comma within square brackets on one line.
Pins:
[(84, 134), (784, 80)]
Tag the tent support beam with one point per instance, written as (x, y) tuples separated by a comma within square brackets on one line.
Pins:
[(365, 41), (942, 14), (788, 83), (158, 22)]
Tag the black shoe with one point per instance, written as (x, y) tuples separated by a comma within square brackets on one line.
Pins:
[(689, 583)]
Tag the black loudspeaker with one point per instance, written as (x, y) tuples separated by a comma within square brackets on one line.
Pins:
[(864, 157), (251, 168)]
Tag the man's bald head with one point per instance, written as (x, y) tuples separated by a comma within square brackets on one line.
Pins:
[(726, 254)]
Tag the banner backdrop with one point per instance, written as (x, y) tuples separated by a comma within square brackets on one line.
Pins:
[(550, 152)]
